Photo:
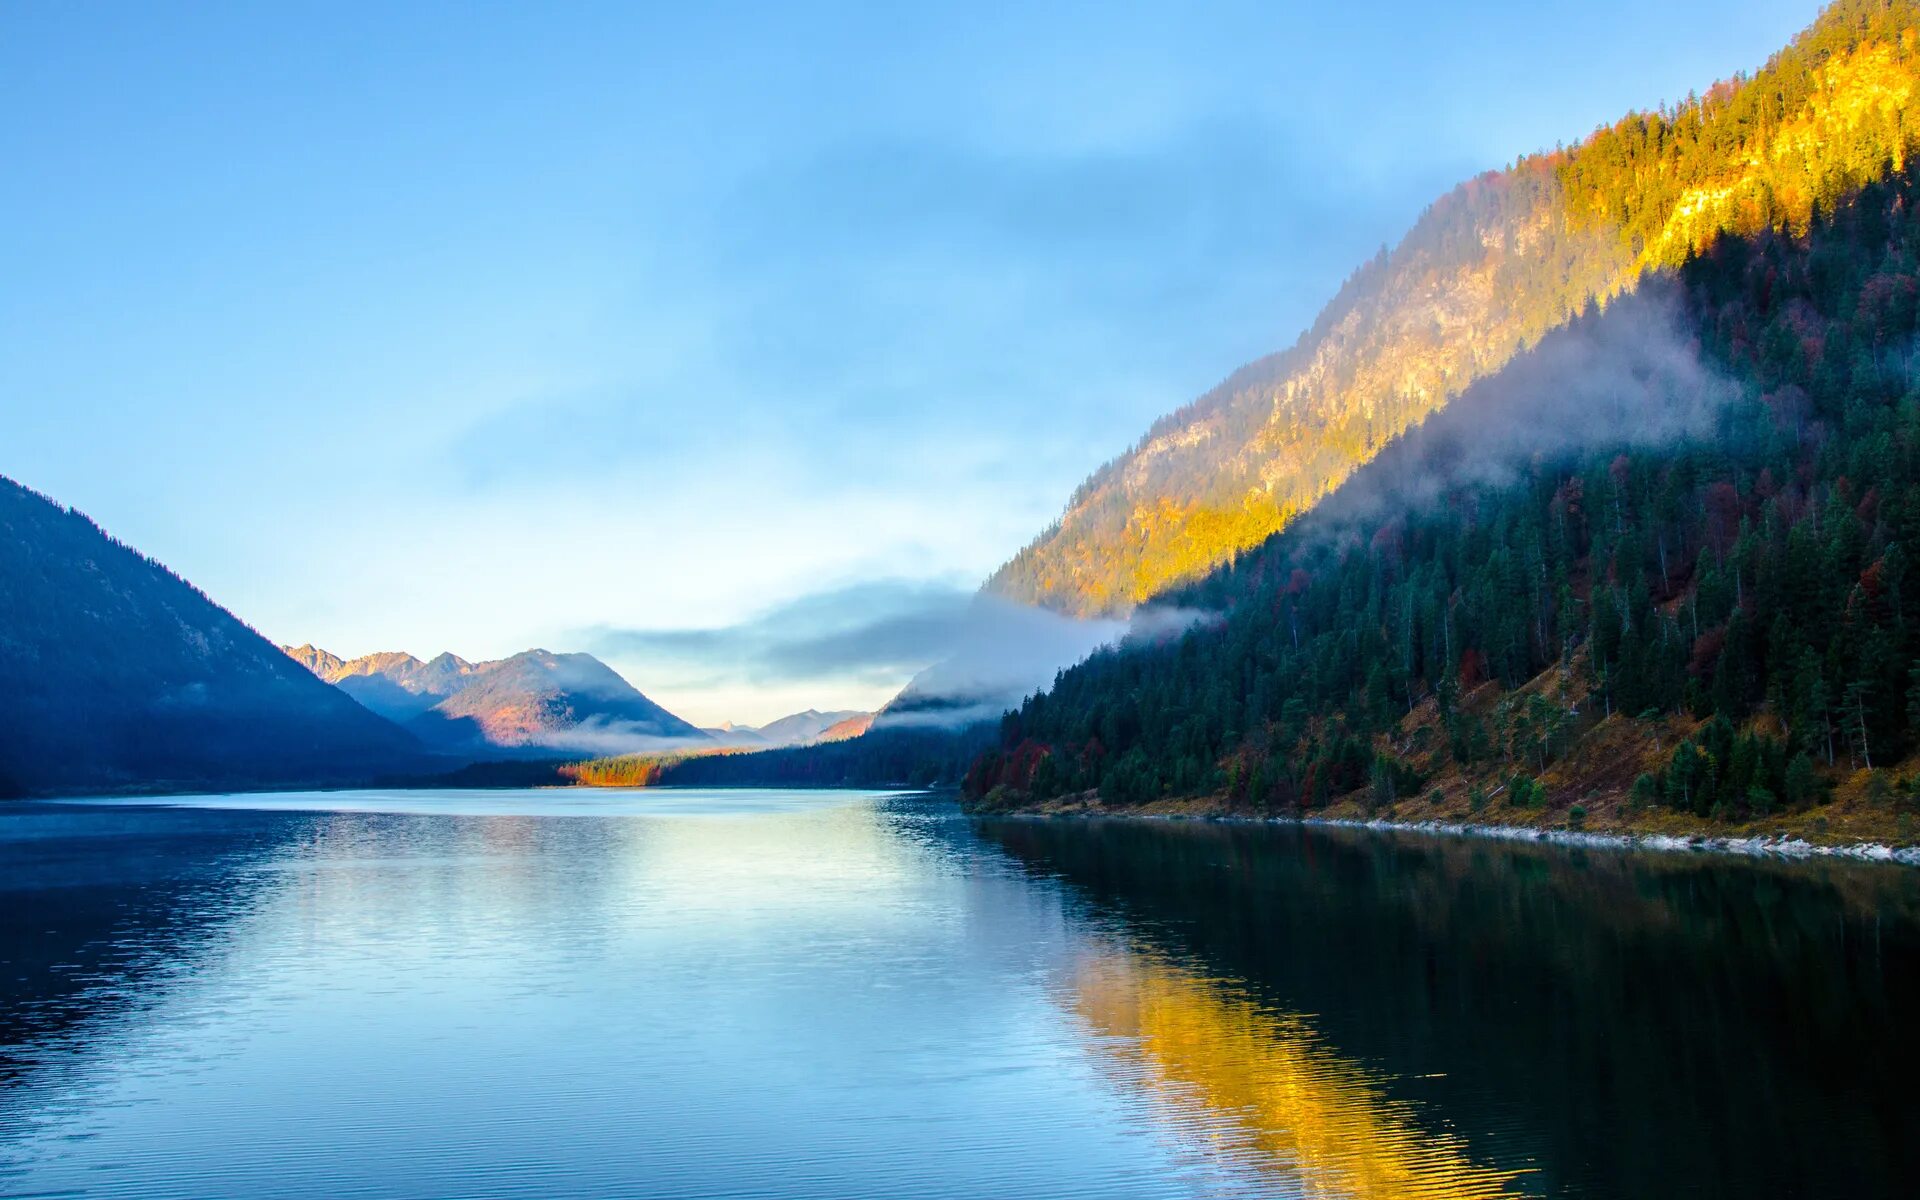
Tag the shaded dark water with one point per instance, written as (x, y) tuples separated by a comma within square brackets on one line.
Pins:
[(830, 995)]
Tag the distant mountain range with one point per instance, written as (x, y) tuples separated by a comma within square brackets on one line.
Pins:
[(397, 686), (798, 729), (534, 701), (115, 673)]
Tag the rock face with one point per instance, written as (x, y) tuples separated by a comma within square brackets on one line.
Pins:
[(534, 701), (117, 673), (314, 659), (397, 686)]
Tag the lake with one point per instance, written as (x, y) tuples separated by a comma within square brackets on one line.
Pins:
[(831, 994)]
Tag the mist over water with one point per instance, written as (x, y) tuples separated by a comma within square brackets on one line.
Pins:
[(809, 994)]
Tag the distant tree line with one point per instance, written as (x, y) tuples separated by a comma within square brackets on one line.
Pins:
[(912, 756)]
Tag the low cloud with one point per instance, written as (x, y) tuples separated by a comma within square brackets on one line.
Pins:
[(1003, 652), (875, 632), (1629, 378), (961, 655), (1010, 651), (607, 736)]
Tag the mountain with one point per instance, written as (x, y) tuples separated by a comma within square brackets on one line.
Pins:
[(397, 686), (802, 727), (795, 729), (326, 666), (535, 700), (732, 736), (1653, 573), (116, 673), (1489, 272), (1485, 273), (564, 701), (847, 728)]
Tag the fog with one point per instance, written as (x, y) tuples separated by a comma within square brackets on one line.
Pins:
[(1628, 377)]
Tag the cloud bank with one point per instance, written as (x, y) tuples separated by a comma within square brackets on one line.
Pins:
[(954, 654), (1629, 377)]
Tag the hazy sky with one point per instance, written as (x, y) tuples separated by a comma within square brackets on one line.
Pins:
[(479, 327)]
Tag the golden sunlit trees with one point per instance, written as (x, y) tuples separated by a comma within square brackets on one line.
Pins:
[(1486, 271)]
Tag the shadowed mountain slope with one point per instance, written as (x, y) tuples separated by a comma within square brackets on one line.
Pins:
[(115, 672)]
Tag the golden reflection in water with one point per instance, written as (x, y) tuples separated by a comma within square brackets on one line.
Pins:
[(1243, 1083)]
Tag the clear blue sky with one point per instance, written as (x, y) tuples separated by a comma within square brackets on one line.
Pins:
[(478, 327)]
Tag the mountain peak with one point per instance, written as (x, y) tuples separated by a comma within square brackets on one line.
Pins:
[(535, 698), (794, 729), (321, 662)]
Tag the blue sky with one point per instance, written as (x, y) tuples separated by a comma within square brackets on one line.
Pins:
[(477, 327)]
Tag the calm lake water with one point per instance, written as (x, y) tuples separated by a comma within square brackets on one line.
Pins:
[(693, 994)]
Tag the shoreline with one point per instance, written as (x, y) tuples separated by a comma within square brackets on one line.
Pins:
[(1780, 848), (1776, 846)]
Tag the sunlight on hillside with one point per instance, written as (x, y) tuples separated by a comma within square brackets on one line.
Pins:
[(1487, 271)]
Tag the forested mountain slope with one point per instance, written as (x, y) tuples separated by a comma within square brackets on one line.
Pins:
[(1662, 562), (1486, 272), (114, 672)]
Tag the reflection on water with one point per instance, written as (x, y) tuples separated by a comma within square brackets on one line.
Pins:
[(811, 996), (1611, 1024), (834, 995), (1293, 1106)]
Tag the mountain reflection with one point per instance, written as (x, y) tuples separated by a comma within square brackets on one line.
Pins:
[(1611, 1023), (717, 994), (97, 919), (1261, 1088)]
